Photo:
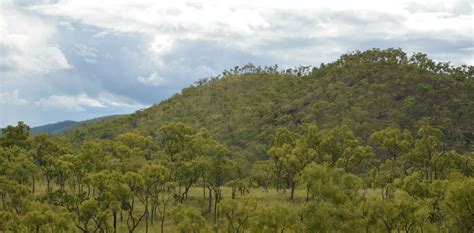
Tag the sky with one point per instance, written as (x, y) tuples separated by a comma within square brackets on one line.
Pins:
[(76, 60)]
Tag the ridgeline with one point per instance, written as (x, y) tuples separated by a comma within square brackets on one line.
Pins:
[(366, 91), (374, 142)]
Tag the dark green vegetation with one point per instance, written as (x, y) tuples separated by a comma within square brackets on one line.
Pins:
[(373, 142), (63, 126), (53, 128)]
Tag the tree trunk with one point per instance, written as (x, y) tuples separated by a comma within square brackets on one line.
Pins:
[(393, 169), (146, 217), (233, 192), (307, 193), (216, 197), (278, 181), (292, 190), (210, 200), (162, 224), (33, 185), (48, 185), (204, 189), (115, 221)]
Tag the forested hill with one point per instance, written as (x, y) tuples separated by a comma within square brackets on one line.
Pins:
[(62, 126), (366, 91), (373, 142)]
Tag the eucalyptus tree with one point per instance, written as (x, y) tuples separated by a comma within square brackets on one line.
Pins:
[(276, 218), (282, 145), (334, 143), (392, 143), (189, 220), (430, 157), (262, 174), (15, 135), (237, 215), (218, 170)]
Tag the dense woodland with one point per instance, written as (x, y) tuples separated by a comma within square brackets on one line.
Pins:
[(376, 141)]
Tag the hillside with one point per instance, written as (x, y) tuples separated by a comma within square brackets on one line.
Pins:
[(53, 128), (373, 142), (62, 126), (367, 91)]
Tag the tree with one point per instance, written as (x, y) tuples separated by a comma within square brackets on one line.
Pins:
[(429, 155), (135, 183), (155, 177), (219, 168), (283, 143), (189, 220), (237, 215), (392, 143), (458, 204), (15, 135), (400, 212), (295, 161), (43, 150), (276, 218), (262, 173), (174, 138), (42, 217), (90, 213), (335, 142)]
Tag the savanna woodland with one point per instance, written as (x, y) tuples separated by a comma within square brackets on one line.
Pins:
[(377, 141)]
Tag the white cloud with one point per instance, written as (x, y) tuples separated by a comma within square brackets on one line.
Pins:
[(76, 103), (26, 43), (160, 46), (254, 25), (154, 79), (12, 98), (81, 102), (191, 39), (89, 54)]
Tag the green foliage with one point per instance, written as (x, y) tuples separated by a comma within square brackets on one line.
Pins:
[(459, 203), (277, 218), (237, 215), (15, 135), (188, 219), (366, 91), (373, 142)]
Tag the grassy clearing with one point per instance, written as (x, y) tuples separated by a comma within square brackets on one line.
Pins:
[(196, 199)]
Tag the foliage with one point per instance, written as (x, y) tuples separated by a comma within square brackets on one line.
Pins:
[(375, 141)]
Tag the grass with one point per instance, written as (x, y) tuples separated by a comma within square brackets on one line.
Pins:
[(197, 200)]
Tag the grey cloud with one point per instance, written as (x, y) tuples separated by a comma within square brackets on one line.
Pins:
[(113, 67)]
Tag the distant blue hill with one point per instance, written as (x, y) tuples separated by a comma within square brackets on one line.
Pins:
[(62, 126), (53, 128)]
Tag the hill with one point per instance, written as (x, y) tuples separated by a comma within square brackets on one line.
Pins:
[(373, 142), (367, 91), (63, 126), (53, 128)]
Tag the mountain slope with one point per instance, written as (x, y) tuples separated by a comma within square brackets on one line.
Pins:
[(53, 128), (63, 126), (366, 91)]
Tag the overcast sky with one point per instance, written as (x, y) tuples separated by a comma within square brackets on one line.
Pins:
[(76, 60)]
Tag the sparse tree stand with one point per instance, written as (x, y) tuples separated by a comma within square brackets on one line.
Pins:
[(218, 169), (375, 163)]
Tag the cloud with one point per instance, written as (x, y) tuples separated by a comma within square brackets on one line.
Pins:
[(89, 54), (89, 58), (12, 98), (154, 79), (254, 26), (26, 43), (69, 103), (82, 102)]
